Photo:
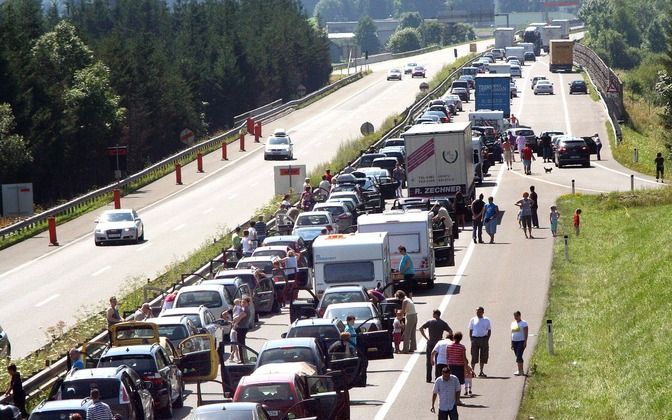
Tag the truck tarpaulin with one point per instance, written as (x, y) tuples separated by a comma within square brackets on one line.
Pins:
[(493, 91)]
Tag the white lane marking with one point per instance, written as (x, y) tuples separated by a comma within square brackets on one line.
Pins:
[(563, 95), (178, 227), (206, 211), (143, 247), (47, 300), (101, 271), (622, 173), (555, 183)]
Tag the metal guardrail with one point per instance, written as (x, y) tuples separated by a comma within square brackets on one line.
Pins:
[(170, 161), (358, 61), (45, 378), (239, 119)]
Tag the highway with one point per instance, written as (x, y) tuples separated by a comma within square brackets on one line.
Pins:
[(75, 279)]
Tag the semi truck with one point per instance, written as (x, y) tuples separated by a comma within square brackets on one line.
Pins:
[(439, 160), (562, 55), (564, 23), (504, 37), (548, 33), (493, 91), (532, 34)]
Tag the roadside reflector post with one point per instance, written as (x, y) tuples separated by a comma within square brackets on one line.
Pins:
[(51, 221), (242, 142), (566, 238), (635, 155), (257, 131), (224, 151), (573, 187), (199, 161), (549, 336), (116, 193), (178, 174), (249, 125), (632, 183)]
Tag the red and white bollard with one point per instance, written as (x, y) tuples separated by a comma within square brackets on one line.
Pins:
[(224, 151), (199, 161), (257, 132), (117, 198), (242, 142), (178, 174), (250, 125), (51, 221)]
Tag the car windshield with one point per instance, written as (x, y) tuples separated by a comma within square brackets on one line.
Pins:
[(64, 414), (194, 318), (286, 355), (270, 253), (116, 217), (174, 333), (342, 297), (573, 143), (278, 140), (526, 133), (266, 392), (209, 298), (308, 234), (312, 220), (81, 388), (140, 363), (544, 82), (335, 210), (328, 332), (360, 313)]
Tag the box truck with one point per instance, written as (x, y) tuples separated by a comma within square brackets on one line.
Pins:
[(488, 118), (548, 33), (504, 37), (529, 47), (356, 258), (439, 160), (564, 23), (493, 91), (413, 230), (562, 55), (518, 52), (503, 68)]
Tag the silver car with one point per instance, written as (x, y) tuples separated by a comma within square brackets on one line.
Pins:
[(279, 145), (339, 212), (118, 226), (5, 346), (543, 86), (366, 314), (453, 100)]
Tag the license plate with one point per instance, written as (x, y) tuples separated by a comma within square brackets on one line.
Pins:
[(575, 157), (273, 412)]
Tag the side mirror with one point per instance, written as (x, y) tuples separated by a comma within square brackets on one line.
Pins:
[(283, 335), (96, 221)]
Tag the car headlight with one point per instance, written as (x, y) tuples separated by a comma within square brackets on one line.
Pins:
[(129, 229), (100, 231)]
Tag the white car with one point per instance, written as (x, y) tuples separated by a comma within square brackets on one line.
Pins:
[(321, 219), (514, 89), (394, 74), (118, 226), (279, 145), (453, 100), (535, 79), (201, 317), (516, 71), (408, 69), (362, 311), (543, 86), (212, 296)]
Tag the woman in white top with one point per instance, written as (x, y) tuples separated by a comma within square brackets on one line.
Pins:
[(408, 309), (291, 265)]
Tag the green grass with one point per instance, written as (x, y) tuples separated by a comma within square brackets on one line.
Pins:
[(610, 306)]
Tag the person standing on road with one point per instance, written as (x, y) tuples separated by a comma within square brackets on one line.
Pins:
[(527, 155), (324, 187), (660, 166), (236, 240), (328, 175), (407, 269), (350, 328), (546, 147), (507, 147), (98, 410), (112, 316), (490, 218), (16, 390), (460, 209), (448, 388), (519, 332), (246, 244), (553, 218), (74, 359), (535, 206), (144, 313), (398, 175), (457, 357), (408, 309), (479, 333), (525, 205), (512, 142), (439, 356), (520, 144), (477, 210), (514, 121), (436, 327), (598, 145), (243, 322), (261, 229)]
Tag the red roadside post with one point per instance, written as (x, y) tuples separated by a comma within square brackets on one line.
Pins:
[(199, 161), (257, 131), (224, 151), (178, 174), (51, 221), (250, 125), (242, 142), (117, 198)]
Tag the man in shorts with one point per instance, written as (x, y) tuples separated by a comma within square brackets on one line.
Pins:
[(479, 333)]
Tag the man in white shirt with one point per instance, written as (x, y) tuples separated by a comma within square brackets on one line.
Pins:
[(246, 244), (479, 332), (439, 355), (520, 143), (324, 187), (447, 387)]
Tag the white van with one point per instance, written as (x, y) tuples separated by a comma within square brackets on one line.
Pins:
[(412, 229), (357, 258)]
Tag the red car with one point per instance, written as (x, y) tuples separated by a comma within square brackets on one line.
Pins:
[(418, 71)]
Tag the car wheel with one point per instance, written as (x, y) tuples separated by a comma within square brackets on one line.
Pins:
[(179, 402), (97, 243), (167, 411), (142, 237), (430, 283), (276, 307), (535, 93), (586, 164), (559, 164)]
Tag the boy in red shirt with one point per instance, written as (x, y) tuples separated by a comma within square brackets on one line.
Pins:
[(577, 221), (527, 156)]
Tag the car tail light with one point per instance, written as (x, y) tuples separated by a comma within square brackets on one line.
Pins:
[(156, 379), (343, 216), (123, 396), (584, 148), (562, 149), (444, 120), (321, 312)]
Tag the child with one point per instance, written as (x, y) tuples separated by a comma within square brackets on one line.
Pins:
[(397, 330), (554, 216), (577, 221), (519, 217), (468, 376)]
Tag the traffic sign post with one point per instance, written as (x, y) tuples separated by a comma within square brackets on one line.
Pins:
[(287, 177), (117, 158), (187, 137)]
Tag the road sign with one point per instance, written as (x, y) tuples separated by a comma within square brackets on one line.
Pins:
[(288, 178), (613, 86), (366, 128), (187, 137), (424, 87)]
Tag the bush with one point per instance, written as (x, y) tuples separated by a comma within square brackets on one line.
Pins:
[(403, 40)]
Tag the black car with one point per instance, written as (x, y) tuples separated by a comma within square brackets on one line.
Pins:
[(529, 56), (578, 86), (366, 160), (572, 151)]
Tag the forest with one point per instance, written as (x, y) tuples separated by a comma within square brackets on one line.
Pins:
[(77, 79)]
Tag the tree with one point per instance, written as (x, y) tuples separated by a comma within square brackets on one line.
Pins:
[(431, 33), (330, 11), (403, 40), (458, 32), (14, 152), (410, 20), (366, 35)]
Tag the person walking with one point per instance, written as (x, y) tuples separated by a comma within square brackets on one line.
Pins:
[(479, 332), (411, 315), (439, 355), (457, 357), (519, 333), (598, 145), (577, 221), (525, 205), (15, 389), (512, 142), (98, 410), (546, 147), (112, 316), (507, 147), (535, 206), (447, 387), (514, 121), (243, 322), (398, 174), (660, 166), (261, 229), (407, 269), (521, 141), (477, 210), (460, 209), (527, 155), (553, 218), (490, 218), (436, 327)]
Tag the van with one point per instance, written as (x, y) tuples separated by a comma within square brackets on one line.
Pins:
[(361, 259), (471, 71), (412, 229)]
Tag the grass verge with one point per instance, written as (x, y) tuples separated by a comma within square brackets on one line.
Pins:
[(610, 308), (592, 90)]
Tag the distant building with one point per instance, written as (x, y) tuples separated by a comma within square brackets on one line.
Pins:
[(385, 28), (342, 45)]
